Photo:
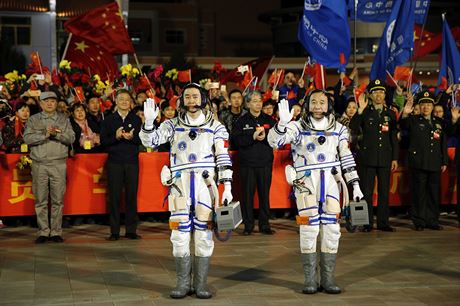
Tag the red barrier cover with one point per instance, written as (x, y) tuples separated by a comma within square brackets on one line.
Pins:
[(86, 185)]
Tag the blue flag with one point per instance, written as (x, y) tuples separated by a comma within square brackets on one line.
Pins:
[(421, 10), (450, 62), (324, 32), (380, 10), (397, 40)]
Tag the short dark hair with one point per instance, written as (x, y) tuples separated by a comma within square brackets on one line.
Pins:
[(122, 91), (20, 105), (236, 90), (77, 105)]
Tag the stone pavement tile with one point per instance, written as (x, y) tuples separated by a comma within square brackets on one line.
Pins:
[(95, 303), (88, 284), (91, 296), (135, 302), (12, 275)]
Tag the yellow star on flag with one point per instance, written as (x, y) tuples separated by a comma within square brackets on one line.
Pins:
[(81, 46)]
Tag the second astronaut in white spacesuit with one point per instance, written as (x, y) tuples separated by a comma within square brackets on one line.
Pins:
[(198, 146), (320, 152)]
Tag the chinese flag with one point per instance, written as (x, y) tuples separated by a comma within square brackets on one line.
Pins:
[(35, 59), (277, 77), (184, 76), (247, 79), (317, 78), (402, 73), (258, 67), (104, 26), (89, 55), (430, 42), (80, 94)]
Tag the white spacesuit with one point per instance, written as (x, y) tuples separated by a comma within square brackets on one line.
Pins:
[(198, 145), (320, 154)]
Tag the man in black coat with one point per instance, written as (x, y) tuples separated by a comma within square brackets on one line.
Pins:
[(256, 159), (427, 159), (120, 137), (379, 151)]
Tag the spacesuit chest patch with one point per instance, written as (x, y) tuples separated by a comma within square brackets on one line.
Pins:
[(182, 146), (311, 147), (192, 158), (321, 157)]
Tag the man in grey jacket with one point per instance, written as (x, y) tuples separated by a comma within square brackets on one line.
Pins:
[(48, 135)]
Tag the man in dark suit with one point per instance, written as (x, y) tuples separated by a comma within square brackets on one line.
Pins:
[(427, 159), (379, 151), (120, 137)]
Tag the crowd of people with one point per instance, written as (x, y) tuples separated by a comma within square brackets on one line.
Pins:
[(340, 137)]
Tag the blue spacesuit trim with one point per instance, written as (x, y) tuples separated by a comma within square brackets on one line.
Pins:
[(206, 205), (330, 196), (308, 208), (318, 166), (322, 188), (192, 190)]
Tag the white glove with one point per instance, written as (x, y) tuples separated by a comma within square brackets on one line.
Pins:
[(151, 111), (357, 194), (284, 113), (227, 194)]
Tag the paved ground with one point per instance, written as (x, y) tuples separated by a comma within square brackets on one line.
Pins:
[(377, 268)]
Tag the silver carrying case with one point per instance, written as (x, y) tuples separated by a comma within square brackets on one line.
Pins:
[(358, 213), (228, 217)]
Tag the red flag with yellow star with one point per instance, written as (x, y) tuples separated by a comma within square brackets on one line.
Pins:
[(104, 26), (430, 42), (91, 57)]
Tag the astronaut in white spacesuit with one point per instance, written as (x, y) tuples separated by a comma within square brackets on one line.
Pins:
[(320, 155), (198, 146)]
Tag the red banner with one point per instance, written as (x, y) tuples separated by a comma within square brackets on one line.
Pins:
[(87, 181)]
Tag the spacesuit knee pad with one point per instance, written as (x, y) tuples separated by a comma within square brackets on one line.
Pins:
[(204, 243), (332, 205), (306, 204), (330, 238), (181, 243), (203, 212), (308, 238)]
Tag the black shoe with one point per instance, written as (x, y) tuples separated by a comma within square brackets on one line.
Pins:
[(419, 228), (386, 228), (267, 231), (57, 239), (367, 228), (436, 227), (133, 236), (41, 240), (113, 237), (247, 232)]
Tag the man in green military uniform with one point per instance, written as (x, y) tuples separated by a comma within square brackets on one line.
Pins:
[(427, 159), (379, 151)]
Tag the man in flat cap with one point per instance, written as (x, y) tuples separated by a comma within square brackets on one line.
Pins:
[(48, 135), (379, 151), (427, 159)]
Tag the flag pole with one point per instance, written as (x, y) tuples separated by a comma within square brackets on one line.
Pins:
[(247, 86), (39, 62), (421, 35), (354, 32), (391, 77), (322, 75), (304, 66), (66, 47)]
